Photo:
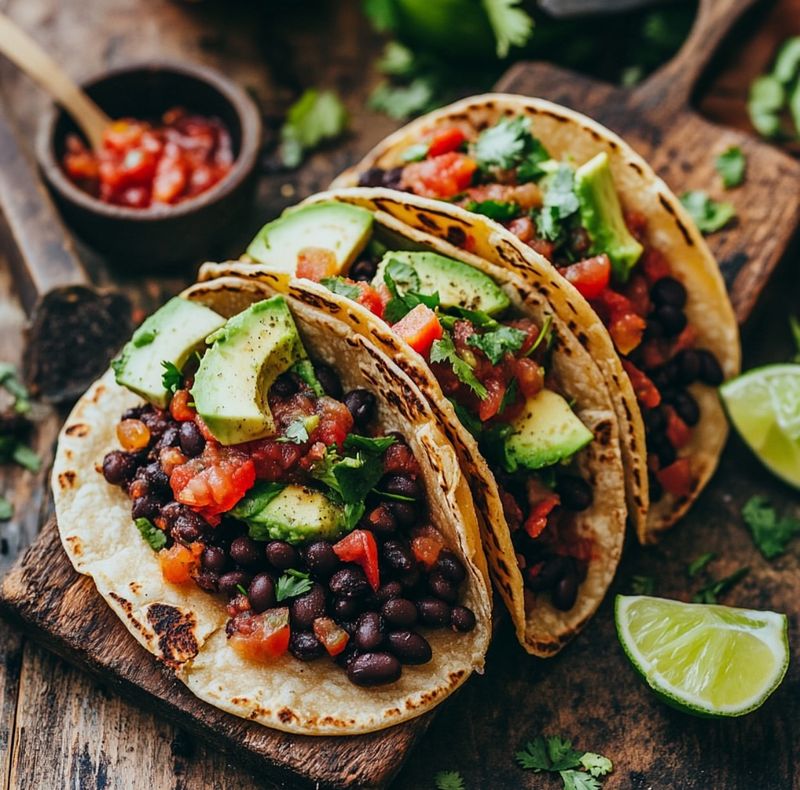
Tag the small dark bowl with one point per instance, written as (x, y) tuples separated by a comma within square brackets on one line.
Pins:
[(187, 231)]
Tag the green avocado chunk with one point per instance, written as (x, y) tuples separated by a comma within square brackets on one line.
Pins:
[(601, 216), (172, 334), (458, 284), (247, 354), (546, 432), (339, 227), (296, 514)]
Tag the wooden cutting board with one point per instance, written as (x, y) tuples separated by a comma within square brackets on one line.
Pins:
[(61, 609)]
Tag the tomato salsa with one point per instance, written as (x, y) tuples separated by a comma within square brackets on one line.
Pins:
[(142, 164)]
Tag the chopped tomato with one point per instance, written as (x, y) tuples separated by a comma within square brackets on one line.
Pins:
[(655, 265), (440, 177), (522, 228), (686, 339), (314, 263), (179, 406), (638, 292), (678, 432), (335, 421), (646, 392), (676, 478), (543, 247), (171, 175), (213, 482), (537, 519), (360, 547), (490, 405), (426, 545), (627, 331), (170, 457), (530, 376), (133, 435), (445, 141), (373, 299), (179, 563), (333, 637), (637, 224), (419, 328), (590, 276), (261, 637)]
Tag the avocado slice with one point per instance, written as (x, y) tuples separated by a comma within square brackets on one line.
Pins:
[(172, 334), (601, 216), (247, 354), (546, 432), (458, 284), (297, 514), (339, 227)]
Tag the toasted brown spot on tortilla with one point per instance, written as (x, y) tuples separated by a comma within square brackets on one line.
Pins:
[(135, 587), (637, 167), (427, 221), (286, 715), (456, 236), (75, 544), (667, 206), (123, 602), (77, 429), (67, 479), (175, 632), (98, 393)]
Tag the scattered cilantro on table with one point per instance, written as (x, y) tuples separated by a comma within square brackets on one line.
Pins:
[(794, 326), (315, 117), (771, 534), (10, 381), (717, 587), (774, 95), (512, 25), (643, 585), (6, 509), (731, 165), (578, 770), (709, 215), (449, 780), (699, 564)]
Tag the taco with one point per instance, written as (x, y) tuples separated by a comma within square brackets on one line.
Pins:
[(576, 194), (267, 503), (521, 400)]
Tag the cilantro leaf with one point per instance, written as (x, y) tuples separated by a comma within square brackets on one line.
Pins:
[(397, 60), (297, 431), (770, 533), (709, 215), (498, 343), (251, 505), (399, 273), (444, 350), (711, 592), (241, 589), (304, 370), (503, 145), (561, 754), (545, 335), (643, 585), (499, 210), (316, 116), (578, 780), (9, 380), (530, 168), (547, 223), (700, 563), (415, 153), (339, 285), (533, 756), (560, 192), (155, 537), (449, 780), (26, 457), (171, 378), (794, 325), (291, 584), (377, 445), (512, 26), (731, 164), (596, 764), (403, 101), (382, 14), (477, 318), (350, 478), (6, 509), (787, 61)]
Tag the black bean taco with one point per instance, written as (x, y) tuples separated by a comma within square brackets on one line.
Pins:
[(268, 504), (516, 393)]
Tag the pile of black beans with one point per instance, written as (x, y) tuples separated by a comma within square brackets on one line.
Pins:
[(378, 177)]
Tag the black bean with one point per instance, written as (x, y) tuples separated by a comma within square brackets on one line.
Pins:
[(442, 588), (402, 485), (321, 559), (399, 612), (281, 555), (363, 269), (345, 608), (261, 592), (371, 177), (245, 552), (369, 632), (329, 380), (412, 582), (192, 441), (450, 567), (304, 646), (373, 669), (136, 412), (119, 467), (388, 591), (575, 492), (710, 370), (306, 608), (433, 612), (668, 291), (186, 528), (655, 420), (688, 366), (398, 557), (169, 438), (653, 330), (157, 479), (565, 592), (381, 520), (230, 582), (349, 582), (361, 404), (207, 580), (214, 559), (145, 507), (284, 386), (405, 513), (156, 422), (410, 647), (656, 491), (348, 655), (671, 319), (665, 452), (462, 619), (392, 178), (550, 573), (686, 407)]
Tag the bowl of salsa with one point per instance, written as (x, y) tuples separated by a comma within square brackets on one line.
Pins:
[(176, 170)]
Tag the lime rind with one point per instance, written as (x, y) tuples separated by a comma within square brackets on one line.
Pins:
[(704, 659)]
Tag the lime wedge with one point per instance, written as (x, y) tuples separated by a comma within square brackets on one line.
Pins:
[(704, 659), (764, 407)]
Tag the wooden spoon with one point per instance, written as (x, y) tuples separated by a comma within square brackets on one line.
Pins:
[(25, 53)]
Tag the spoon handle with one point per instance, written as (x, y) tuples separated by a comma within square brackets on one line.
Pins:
[(23, 51)]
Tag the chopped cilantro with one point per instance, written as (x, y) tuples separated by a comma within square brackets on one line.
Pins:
[(499, 210), (377, 445), (709, 215), (530, 168), (304, 370), (731, 164), (242, 590), (339, 285), (171, 378), (509, 144), (498, 343), (770, 533), (6, 509), (155, 538), (444, 350), (397, 272), (547, 224), (643, 585), (509, 397), (291, 584), (560, 192), (579, 780), (712, 591), (700, 563), (545, 335), (297, 430), (449, 780), (596, 764), (316, 116)]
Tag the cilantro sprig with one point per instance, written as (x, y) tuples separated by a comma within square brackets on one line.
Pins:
[(771, 533), (155, 537), (578, 770), (315, 117), (509, 144), (730, 165), (709, 215), (291, 584), (449, 780), (444, 351), (717, 587), (397, 274), (499, 342), (171, 378)]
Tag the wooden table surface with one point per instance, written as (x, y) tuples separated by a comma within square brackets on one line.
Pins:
[(60, 729)]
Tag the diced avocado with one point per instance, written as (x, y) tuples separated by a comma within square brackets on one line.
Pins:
[(172, 334), (546, 432), (458, 284), (296, 514), (601, 216), (247, 354), (339, 227)]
